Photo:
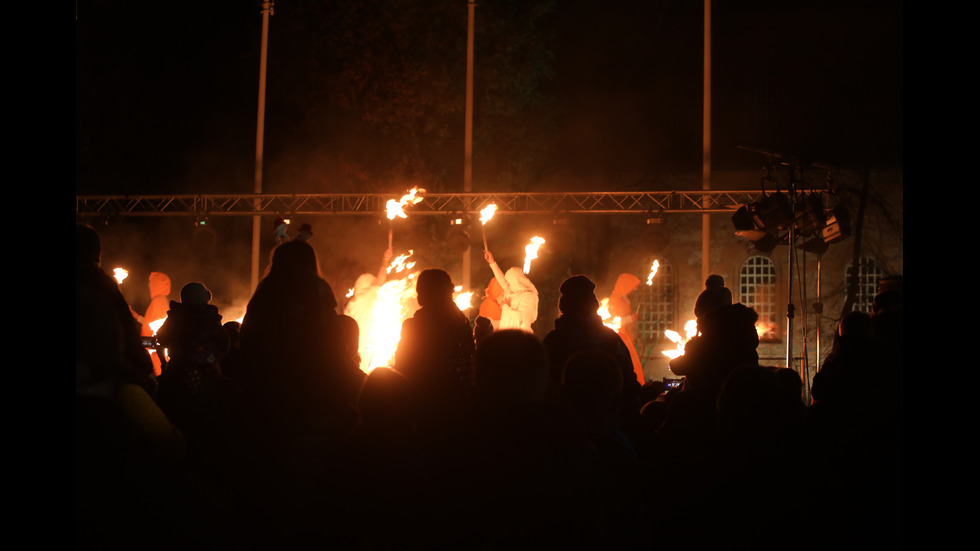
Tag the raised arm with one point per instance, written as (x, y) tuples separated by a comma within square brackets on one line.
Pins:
[(499, 275)]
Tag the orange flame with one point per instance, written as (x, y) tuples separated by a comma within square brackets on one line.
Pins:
[(487, 213), (691, 330), (155, 325), (763, 327), (396, 302), (120, 274), (653, 271), (531, 252), (610, 321), (397, 208), (463, 301), (400, 263)]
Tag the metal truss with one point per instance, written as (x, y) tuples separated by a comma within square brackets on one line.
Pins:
[(638, 202)]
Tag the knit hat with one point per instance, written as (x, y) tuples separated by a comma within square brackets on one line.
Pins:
[(577, 296), (195, 293), (714, 296)]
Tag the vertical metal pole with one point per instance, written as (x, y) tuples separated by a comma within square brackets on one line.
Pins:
[(468, 139), (816, 365), (706, 147), (267, 10), (790, 307)]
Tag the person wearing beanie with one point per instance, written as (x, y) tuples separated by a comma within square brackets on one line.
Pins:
[(714, 296), (579, 328), (194, 392), (193, 331), (194, 293)]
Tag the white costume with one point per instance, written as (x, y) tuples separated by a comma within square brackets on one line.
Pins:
[(519, 300)]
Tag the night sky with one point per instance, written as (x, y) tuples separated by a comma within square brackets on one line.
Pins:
[(166, 95)]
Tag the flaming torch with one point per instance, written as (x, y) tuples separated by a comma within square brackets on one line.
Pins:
[(531, 252), (485, 216), (120, 274), (463, 300), (690, 328), (397, 208), (610, 321), (653, 271)]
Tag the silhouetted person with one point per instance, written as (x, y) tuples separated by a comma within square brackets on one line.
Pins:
[(714, 296), (436, 347), (126, 449), (107, 338), (580, 328), (481, 328), (194, 393), (728, 340), (297, 368)]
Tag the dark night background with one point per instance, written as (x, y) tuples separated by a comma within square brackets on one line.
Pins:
[(570, 94)]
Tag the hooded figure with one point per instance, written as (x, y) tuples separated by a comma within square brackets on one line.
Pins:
[(490, 307), (619, 306), (519, 299), (157, 310)]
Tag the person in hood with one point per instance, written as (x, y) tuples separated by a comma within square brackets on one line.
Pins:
[(490, 306), (518, 299), (361, 306), (159, 283), (619, 306)]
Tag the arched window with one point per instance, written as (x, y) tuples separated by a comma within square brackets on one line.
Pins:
[(656, 301), (757, 288), (868, 275)]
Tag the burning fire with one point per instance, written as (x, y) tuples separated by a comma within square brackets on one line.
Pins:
[(531, 252), (397, 208), (610, 321), (400, 263), (653, 271), (690, 329), (156, 325), (120, 274), (396, 302), (463, 301), (487, 213)]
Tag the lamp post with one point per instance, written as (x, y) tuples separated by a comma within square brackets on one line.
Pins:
[(468, 134), (267, 10)]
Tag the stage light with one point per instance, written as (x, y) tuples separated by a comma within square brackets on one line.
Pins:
[(838, 225), (811, 216)]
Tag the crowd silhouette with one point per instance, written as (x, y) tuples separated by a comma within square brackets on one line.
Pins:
[(268, 435)]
